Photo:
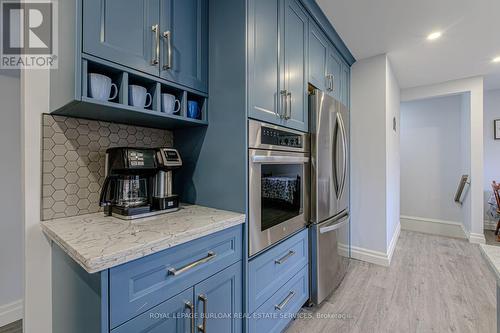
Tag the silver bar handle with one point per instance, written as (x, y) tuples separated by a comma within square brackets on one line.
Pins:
[(288, 115), (287, 300), (344, 151), (337, 224), (156, 46), (175, 272), (190, 306), (280, 159), (168, 37), (336, 130), (283, 106), (280, 261), (332, 82), (203, 326)]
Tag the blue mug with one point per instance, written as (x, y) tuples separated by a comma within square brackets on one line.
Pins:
[(193, 110)]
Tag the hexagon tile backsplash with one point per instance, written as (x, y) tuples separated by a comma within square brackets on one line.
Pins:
[(73, 160)]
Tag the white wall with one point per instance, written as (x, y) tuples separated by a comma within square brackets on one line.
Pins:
[(393, 154), (491, 147), (11, 225), (368, 160), (431, 158), (374, 159), (474, 87)]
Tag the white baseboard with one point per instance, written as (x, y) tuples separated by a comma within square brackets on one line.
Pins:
[(433, 226), (11, 312), (373, 257), (377, 257), (394, 241)]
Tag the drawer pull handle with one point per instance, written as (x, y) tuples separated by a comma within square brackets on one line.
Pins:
[(285, 258), (190, 306), (285, 301), (172, 271), (203, 326)]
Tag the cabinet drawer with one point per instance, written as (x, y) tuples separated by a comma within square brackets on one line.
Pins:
[(138, 286), (275, 314), (270, 270)]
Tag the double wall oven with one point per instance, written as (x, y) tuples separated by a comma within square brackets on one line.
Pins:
[(279, 183)]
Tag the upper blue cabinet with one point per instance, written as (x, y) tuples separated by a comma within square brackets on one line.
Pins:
[(327, 70), (277, 62), (165, 38), (184, 31), (122, 32)]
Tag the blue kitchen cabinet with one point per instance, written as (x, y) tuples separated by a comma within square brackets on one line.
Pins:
[(218, 301), (333, 72), (164, 38), (184, 30), (318, 54), (345, 83), (265, 100), (327, 69), (168, 291), (296, 33), (173, 315), (122, 32), (277, 62)]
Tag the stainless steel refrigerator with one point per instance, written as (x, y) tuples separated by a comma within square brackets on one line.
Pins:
[(330, 229)]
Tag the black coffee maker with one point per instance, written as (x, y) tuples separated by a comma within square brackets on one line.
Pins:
[(139, 182)]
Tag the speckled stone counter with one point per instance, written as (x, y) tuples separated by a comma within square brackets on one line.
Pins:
[(99, 242)]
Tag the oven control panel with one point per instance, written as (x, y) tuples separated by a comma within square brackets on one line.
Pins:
[(275, 137)]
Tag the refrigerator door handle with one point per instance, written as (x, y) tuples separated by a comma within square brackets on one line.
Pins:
[(334, 157), (344, 151), (337, 224)]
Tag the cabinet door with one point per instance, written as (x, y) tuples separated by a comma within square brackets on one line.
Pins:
[(121, 31), (295, 64), (219, 300), (263, 61), (318, 55), (345, 84), (333, 69), (173, 315), (184, 42)]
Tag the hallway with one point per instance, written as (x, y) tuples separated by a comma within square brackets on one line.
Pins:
[(434, 284)]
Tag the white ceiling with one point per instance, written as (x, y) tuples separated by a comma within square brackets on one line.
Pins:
[(471, 36)]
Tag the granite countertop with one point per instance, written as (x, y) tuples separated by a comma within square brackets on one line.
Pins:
[(492, 255), (99, 242)]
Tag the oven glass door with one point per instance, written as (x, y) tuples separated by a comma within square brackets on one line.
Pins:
[(279, 196)]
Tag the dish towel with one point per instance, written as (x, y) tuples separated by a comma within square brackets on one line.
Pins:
[(279, 188)]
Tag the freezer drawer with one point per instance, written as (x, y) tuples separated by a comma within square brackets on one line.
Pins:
[(329, 256)]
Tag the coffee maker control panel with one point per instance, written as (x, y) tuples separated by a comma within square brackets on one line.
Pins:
[(169, 158)]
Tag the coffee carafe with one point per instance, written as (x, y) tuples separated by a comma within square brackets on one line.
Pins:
[(139, 182)]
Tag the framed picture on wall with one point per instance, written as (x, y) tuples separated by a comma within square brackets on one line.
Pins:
[(497, 128)]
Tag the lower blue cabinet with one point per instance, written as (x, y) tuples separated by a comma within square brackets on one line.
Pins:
[(218, 301), (173, 316), (213, 305)]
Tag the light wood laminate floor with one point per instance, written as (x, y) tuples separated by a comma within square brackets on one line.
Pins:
[(15, 327), (434, 284)]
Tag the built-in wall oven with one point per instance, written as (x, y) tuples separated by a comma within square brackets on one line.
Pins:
[(279, 183)]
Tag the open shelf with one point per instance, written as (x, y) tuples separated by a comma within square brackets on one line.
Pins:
[(120, 110)]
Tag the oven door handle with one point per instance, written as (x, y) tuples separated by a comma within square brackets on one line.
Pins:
[(280, 159)]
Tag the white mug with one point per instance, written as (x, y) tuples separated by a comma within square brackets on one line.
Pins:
[(169, 104), (138, 95), (100, 87)]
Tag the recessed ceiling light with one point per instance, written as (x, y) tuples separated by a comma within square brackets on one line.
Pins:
[(434, 35), (496, 59)]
